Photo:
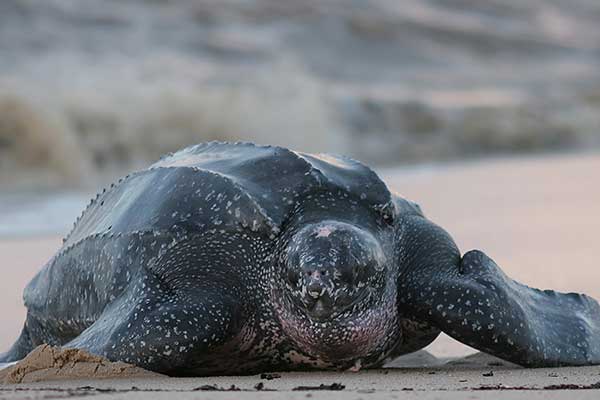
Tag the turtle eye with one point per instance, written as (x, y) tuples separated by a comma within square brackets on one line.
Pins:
[(388, 212)]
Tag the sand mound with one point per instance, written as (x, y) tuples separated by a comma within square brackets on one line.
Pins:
[(46, 363)]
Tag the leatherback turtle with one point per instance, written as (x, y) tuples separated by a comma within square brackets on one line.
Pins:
[(234, 258)]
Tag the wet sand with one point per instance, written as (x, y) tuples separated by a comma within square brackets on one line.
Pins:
[(20, 259), (538, 218), (431, 383)]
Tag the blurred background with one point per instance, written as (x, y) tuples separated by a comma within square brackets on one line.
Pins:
[(485, 112)]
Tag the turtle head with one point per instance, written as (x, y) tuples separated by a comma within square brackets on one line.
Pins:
[(331, 268)]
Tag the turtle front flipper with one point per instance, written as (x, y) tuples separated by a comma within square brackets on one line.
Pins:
[(473, 301), (185, 312), (525, 325), (187, 333)]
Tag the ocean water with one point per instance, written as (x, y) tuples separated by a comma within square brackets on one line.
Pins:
[(95, 89)]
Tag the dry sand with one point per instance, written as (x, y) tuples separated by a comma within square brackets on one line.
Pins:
[(430, 383), (539, 219), (47, 363)]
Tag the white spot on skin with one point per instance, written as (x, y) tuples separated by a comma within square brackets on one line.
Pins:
[(324, 231)]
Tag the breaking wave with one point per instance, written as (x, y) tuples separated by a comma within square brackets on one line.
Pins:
[(91, 90)]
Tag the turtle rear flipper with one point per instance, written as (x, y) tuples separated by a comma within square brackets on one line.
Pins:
[(472, 300)]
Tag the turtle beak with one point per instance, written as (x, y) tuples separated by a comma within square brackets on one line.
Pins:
[(316, 289), (319, 303)]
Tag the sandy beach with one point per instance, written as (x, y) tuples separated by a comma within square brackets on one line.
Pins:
[(538, 218), (439, 383)]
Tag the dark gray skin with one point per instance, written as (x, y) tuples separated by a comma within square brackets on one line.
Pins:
[(236, 258)]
